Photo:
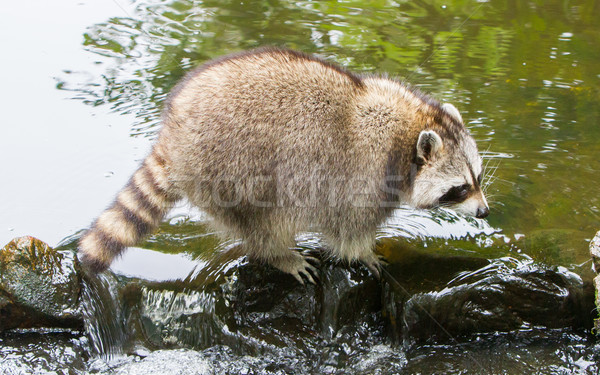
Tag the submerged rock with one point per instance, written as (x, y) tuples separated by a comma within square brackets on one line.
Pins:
[(169, 318), (39, 286)]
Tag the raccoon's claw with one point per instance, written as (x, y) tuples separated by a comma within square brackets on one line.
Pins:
[(374, 268), (382, 261), (307, 272), (374, 263), (298, 266), (312, 256)]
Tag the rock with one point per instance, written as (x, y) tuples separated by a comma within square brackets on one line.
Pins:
[(179, 318), (263, 295), (261, 315), (597, 301), (250, 307), (43, 351), (500, 297), (595, 252), (39, 286), (257, 309)]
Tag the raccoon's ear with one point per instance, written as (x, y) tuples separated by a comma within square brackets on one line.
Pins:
[(452, 111), (428, 146)]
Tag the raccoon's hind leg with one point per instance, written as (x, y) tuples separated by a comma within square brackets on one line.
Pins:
[(282, 254), (267, 238), (298, 264), (358, 248)]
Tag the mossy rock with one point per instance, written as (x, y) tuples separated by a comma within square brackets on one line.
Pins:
[(39, 286)]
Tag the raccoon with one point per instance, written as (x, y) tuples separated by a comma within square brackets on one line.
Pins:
[(272, 142)]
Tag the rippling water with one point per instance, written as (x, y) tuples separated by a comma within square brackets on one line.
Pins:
[(522, 73)]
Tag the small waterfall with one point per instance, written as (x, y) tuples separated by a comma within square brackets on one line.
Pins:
[(104, 321)]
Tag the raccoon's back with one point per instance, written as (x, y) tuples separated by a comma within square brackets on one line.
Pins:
[(263, 112)]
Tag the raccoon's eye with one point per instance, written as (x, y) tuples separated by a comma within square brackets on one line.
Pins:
[(456, 194)]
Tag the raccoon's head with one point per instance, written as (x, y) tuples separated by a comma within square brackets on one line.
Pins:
[(449, 171)]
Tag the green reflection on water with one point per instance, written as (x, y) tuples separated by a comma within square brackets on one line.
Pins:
[(523, 73)]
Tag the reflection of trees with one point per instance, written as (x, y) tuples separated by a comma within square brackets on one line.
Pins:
[(150, 53), (426, 40), (509, 66)]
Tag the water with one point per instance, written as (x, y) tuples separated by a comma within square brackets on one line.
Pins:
[(61, 152), (523, 76), (84, 92)]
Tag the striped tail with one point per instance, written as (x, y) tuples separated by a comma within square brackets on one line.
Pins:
[(137, 211)]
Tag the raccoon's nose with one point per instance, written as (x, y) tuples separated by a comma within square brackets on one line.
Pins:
[(482, 212)]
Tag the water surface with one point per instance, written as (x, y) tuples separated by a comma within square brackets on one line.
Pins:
[(522, 73)]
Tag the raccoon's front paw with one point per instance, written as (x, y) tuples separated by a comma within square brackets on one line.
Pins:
[(374, 263), (298, 264)]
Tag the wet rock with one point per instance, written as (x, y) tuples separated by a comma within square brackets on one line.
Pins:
[(531, 351), (259, 320), (259, 294), (504, 296), (42, 351), (595, 252), (249, 307), (170, 318), (39, 286), (379, 359), (263, 295), (597, 301)]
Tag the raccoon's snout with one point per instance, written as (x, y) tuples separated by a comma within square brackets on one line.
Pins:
[(482, 212), (475, 206)]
